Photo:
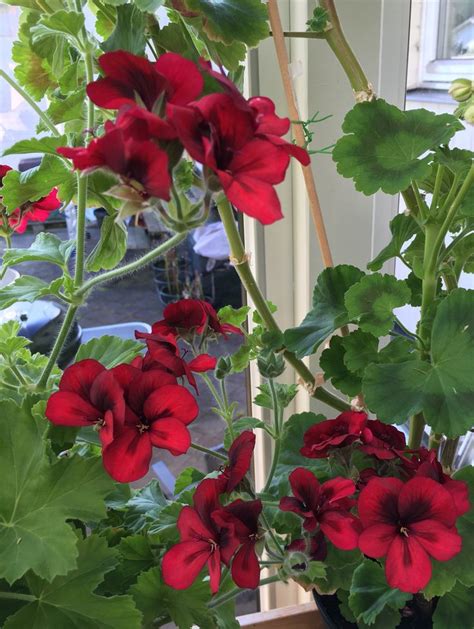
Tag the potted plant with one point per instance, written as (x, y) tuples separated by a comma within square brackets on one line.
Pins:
[(351, 509)]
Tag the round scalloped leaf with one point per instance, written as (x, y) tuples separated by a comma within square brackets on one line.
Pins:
[(442, 389), (385, 148), (454, 609), (332, 362), (403, 227)]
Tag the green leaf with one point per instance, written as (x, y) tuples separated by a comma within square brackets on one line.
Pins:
[(66, 24), (340, 567), (145, 506), (110, 350), (370, 592), (234, 316), (10, 343), (454, 609), (361, 350), (442, 389), (372, 300), (27, 288), (111, 247), (37, 145), (135, 556), (159, 603), (189, 476), (233, 20), (319, 21), (33, 184), (31, 71), (403, 228), (69, 601), (332, 362), (241, 358), (45, 248), (38, 497), (129, 31), (166, 525), (238, 426), (441, 581), (284, 392), (150, 6), (67, 109), (329, 311), (385, 148)]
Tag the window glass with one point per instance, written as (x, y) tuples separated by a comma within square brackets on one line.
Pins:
[(456, 29)]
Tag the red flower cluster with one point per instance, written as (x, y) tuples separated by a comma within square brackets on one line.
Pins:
[(213, 534), (376, 438), (325, 508), (408, 523), (30, 211), (239, 141)]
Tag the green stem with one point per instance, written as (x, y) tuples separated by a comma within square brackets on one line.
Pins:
[(8, 241), (225, 598), (272, 534), (242, 267), (17, 596), (213, 390), (422, 207), (217, 455), (435, 441), (437, 188), (58, 345), (131, 267), (341, 48), (80, 230), (449, 453), (417, 427), (276, 456), (18, 374), (44, 117)]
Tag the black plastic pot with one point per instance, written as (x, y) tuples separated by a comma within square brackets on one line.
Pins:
[(328, 606)]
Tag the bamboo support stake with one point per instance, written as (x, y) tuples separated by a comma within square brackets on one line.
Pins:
[(284, 62)]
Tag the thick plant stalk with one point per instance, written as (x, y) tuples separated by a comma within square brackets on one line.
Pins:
[(240, 260), (284, 62)]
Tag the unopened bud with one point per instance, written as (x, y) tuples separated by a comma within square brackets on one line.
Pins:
[(270, 365), (223, 367), (469, 114), (461, 89)]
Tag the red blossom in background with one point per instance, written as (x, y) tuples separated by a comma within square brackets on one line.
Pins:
[(157, 414), (3, 171), (203, 541), (327, 506), (382, 440), (240, 455), (408, 523), (129, 78), (191, 316), (88, 395), (333, 433)]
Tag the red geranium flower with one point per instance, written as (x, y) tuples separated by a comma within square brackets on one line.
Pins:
[(240, 455), (326, 505), (315, 547), (191, 316), (88, 395), (3, 171), (218, 132), (203, 541), (156, 416), (424, 463), (141, 165), (35, 211), (163, 354), (243, 515), (382, 440), (130, 79), (408, 523), (333, 433)]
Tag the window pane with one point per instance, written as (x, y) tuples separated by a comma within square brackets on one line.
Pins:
[(456, 29)]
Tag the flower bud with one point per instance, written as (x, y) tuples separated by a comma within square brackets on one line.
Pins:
[(223, 367), (270, 365), (469, 114), (461, 89)]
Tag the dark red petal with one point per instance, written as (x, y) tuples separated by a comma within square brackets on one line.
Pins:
[(287, 503), (253, 197), (240, 456), (65, 408), (49, 202), (185, 82), (245, 567), (171, 435), (214, 566), (341, 528), (267, 120), (291, 149), (260, 160), (107, 395), (375, 541), (172, 402), (128, 457), (145, 383), (202, 363), (186, 313), (186, 121), (183, 562), (191, 527), (149, 164), (423, 498), (305, 487), (80, 377), (438, 540), (408, 565), (378, 501), (247, 511), (3, 171), (460, 495), (336, 489), (206, 499)]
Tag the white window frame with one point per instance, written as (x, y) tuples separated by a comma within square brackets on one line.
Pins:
[(438, 73)]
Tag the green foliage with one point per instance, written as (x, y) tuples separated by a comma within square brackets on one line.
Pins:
[(145, 506), (70, 108), (149, 6), (27, 288), (403, 228), (39, 496), (370, 593), (329, 311), (135, 556), (361, 350), (333, 364), (232, 20), (36, 183), (45, 248), (110, 350), (188, 477), (385, 148), (371, 302), (319, 21), (239, 426), (70, 600), (284, 392), (340, 566), (234, 316), (454, 609), (32, 72), (37, 145), (111, 247), (66, 24), (442, 388), (128, 33)]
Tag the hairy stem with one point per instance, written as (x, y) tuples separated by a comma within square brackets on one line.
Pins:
[(417, 427), (449, 454), (217, 455), (229, 596), (17, 596), (58, 345), (246, 277)]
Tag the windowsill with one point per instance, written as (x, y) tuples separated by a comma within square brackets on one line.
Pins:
[(429, 95)]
